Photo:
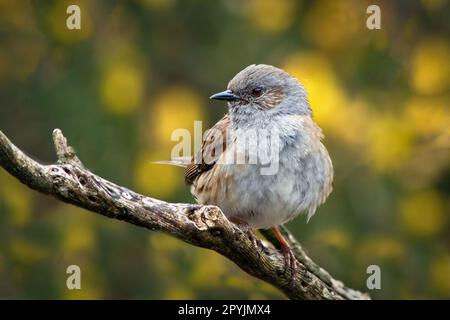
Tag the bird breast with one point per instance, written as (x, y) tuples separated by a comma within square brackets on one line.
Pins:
[(301, 182)]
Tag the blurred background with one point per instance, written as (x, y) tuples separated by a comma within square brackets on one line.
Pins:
[(139, 69)]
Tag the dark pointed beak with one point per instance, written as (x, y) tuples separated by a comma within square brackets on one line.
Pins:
[(226, 95)]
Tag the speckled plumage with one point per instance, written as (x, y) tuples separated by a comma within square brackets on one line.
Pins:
[(266, 98)]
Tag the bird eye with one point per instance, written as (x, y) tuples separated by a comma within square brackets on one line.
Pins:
[(256, 92)]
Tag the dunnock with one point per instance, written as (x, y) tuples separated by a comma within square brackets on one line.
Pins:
[(272, 105)]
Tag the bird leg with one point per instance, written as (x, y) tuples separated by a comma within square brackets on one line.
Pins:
[(289, 257), (245, 227)]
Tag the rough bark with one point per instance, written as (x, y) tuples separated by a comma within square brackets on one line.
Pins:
[(202, 226)]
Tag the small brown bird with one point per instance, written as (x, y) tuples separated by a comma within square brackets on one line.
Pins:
[(268, 114)]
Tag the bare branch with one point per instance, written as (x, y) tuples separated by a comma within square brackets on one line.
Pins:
[(202, 226)]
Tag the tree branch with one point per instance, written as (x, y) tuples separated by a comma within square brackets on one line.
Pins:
[(202, 226)]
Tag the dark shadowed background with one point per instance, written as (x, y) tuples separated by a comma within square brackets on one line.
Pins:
[(139, 69)]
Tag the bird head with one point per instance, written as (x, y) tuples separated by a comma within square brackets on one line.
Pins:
[(264, 90)]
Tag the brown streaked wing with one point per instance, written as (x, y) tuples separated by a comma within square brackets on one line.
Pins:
[(198, 165)]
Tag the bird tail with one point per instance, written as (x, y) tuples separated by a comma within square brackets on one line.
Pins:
[(179, 161)]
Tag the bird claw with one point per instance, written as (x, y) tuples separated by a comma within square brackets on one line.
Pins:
[(253, 238), (257, 243), (290, 263)]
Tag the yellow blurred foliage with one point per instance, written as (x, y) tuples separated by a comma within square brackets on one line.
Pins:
[(335, 238), (440, 274), (165, 264), (179, 292), (117, 39), (389, 142), (158, 4), (165, 250), (332, 24), (433, 5), (339, 117), (79, 236), (381, 246), (271, 15), (239, 283), (90, 293), (428, 116), (122, 88), (350, 123), (314, 71), (422, 213), (27, 252), (57, 18), (443, 141), (209, 268), (165, 243), (257, 296), (270, 289), (435, 154), (17, 198), (156, 180), (174, 108), (430, 66)]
